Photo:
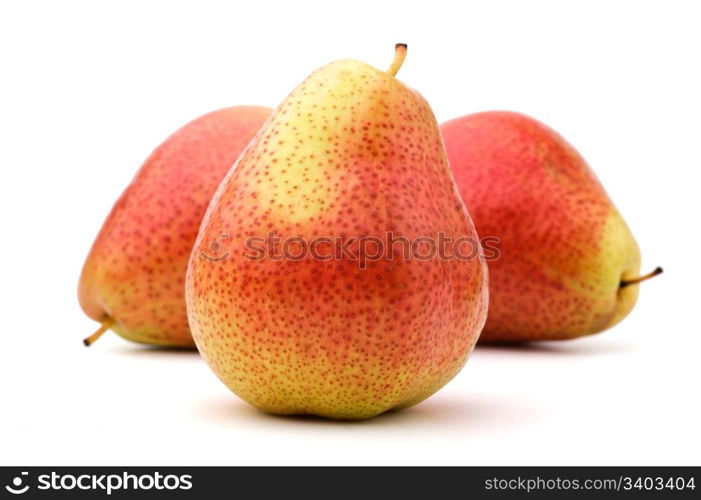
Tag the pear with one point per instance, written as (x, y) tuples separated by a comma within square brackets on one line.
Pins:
[(133, 278), (351, 155), (565, 264)]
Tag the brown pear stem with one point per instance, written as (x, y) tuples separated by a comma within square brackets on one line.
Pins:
[(106, 325), (399, 56), (639, 279)]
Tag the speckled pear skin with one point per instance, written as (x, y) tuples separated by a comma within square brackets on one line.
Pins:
[(564, 247), (135, 271), (351, 151)]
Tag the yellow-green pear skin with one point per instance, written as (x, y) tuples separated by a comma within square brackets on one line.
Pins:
[(352, 152), (567, 262)]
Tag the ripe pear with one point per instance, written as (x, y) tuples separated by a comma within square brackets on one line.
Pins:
[(352, 152), (133, 279), (567, 263)]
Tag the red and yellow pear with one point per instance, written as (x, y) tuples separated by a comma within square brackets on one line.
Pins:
[(351, 153), (567, 263), (133, 279)]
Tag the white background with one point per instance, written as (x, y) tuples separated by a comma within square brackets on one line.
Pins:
[(89, 89)]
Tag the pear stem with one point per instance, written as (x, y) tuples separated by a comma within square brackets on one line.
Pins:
[(399, 56), (106, 324), (639, 279)]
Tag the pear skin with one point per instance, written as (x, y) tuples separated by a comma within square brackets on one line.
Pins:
[(565, 252), (133, 278), (351, 152)]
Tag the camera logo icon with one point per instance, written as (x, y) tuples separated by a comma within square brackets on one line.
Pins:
[(214, 253), (16, 487)]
